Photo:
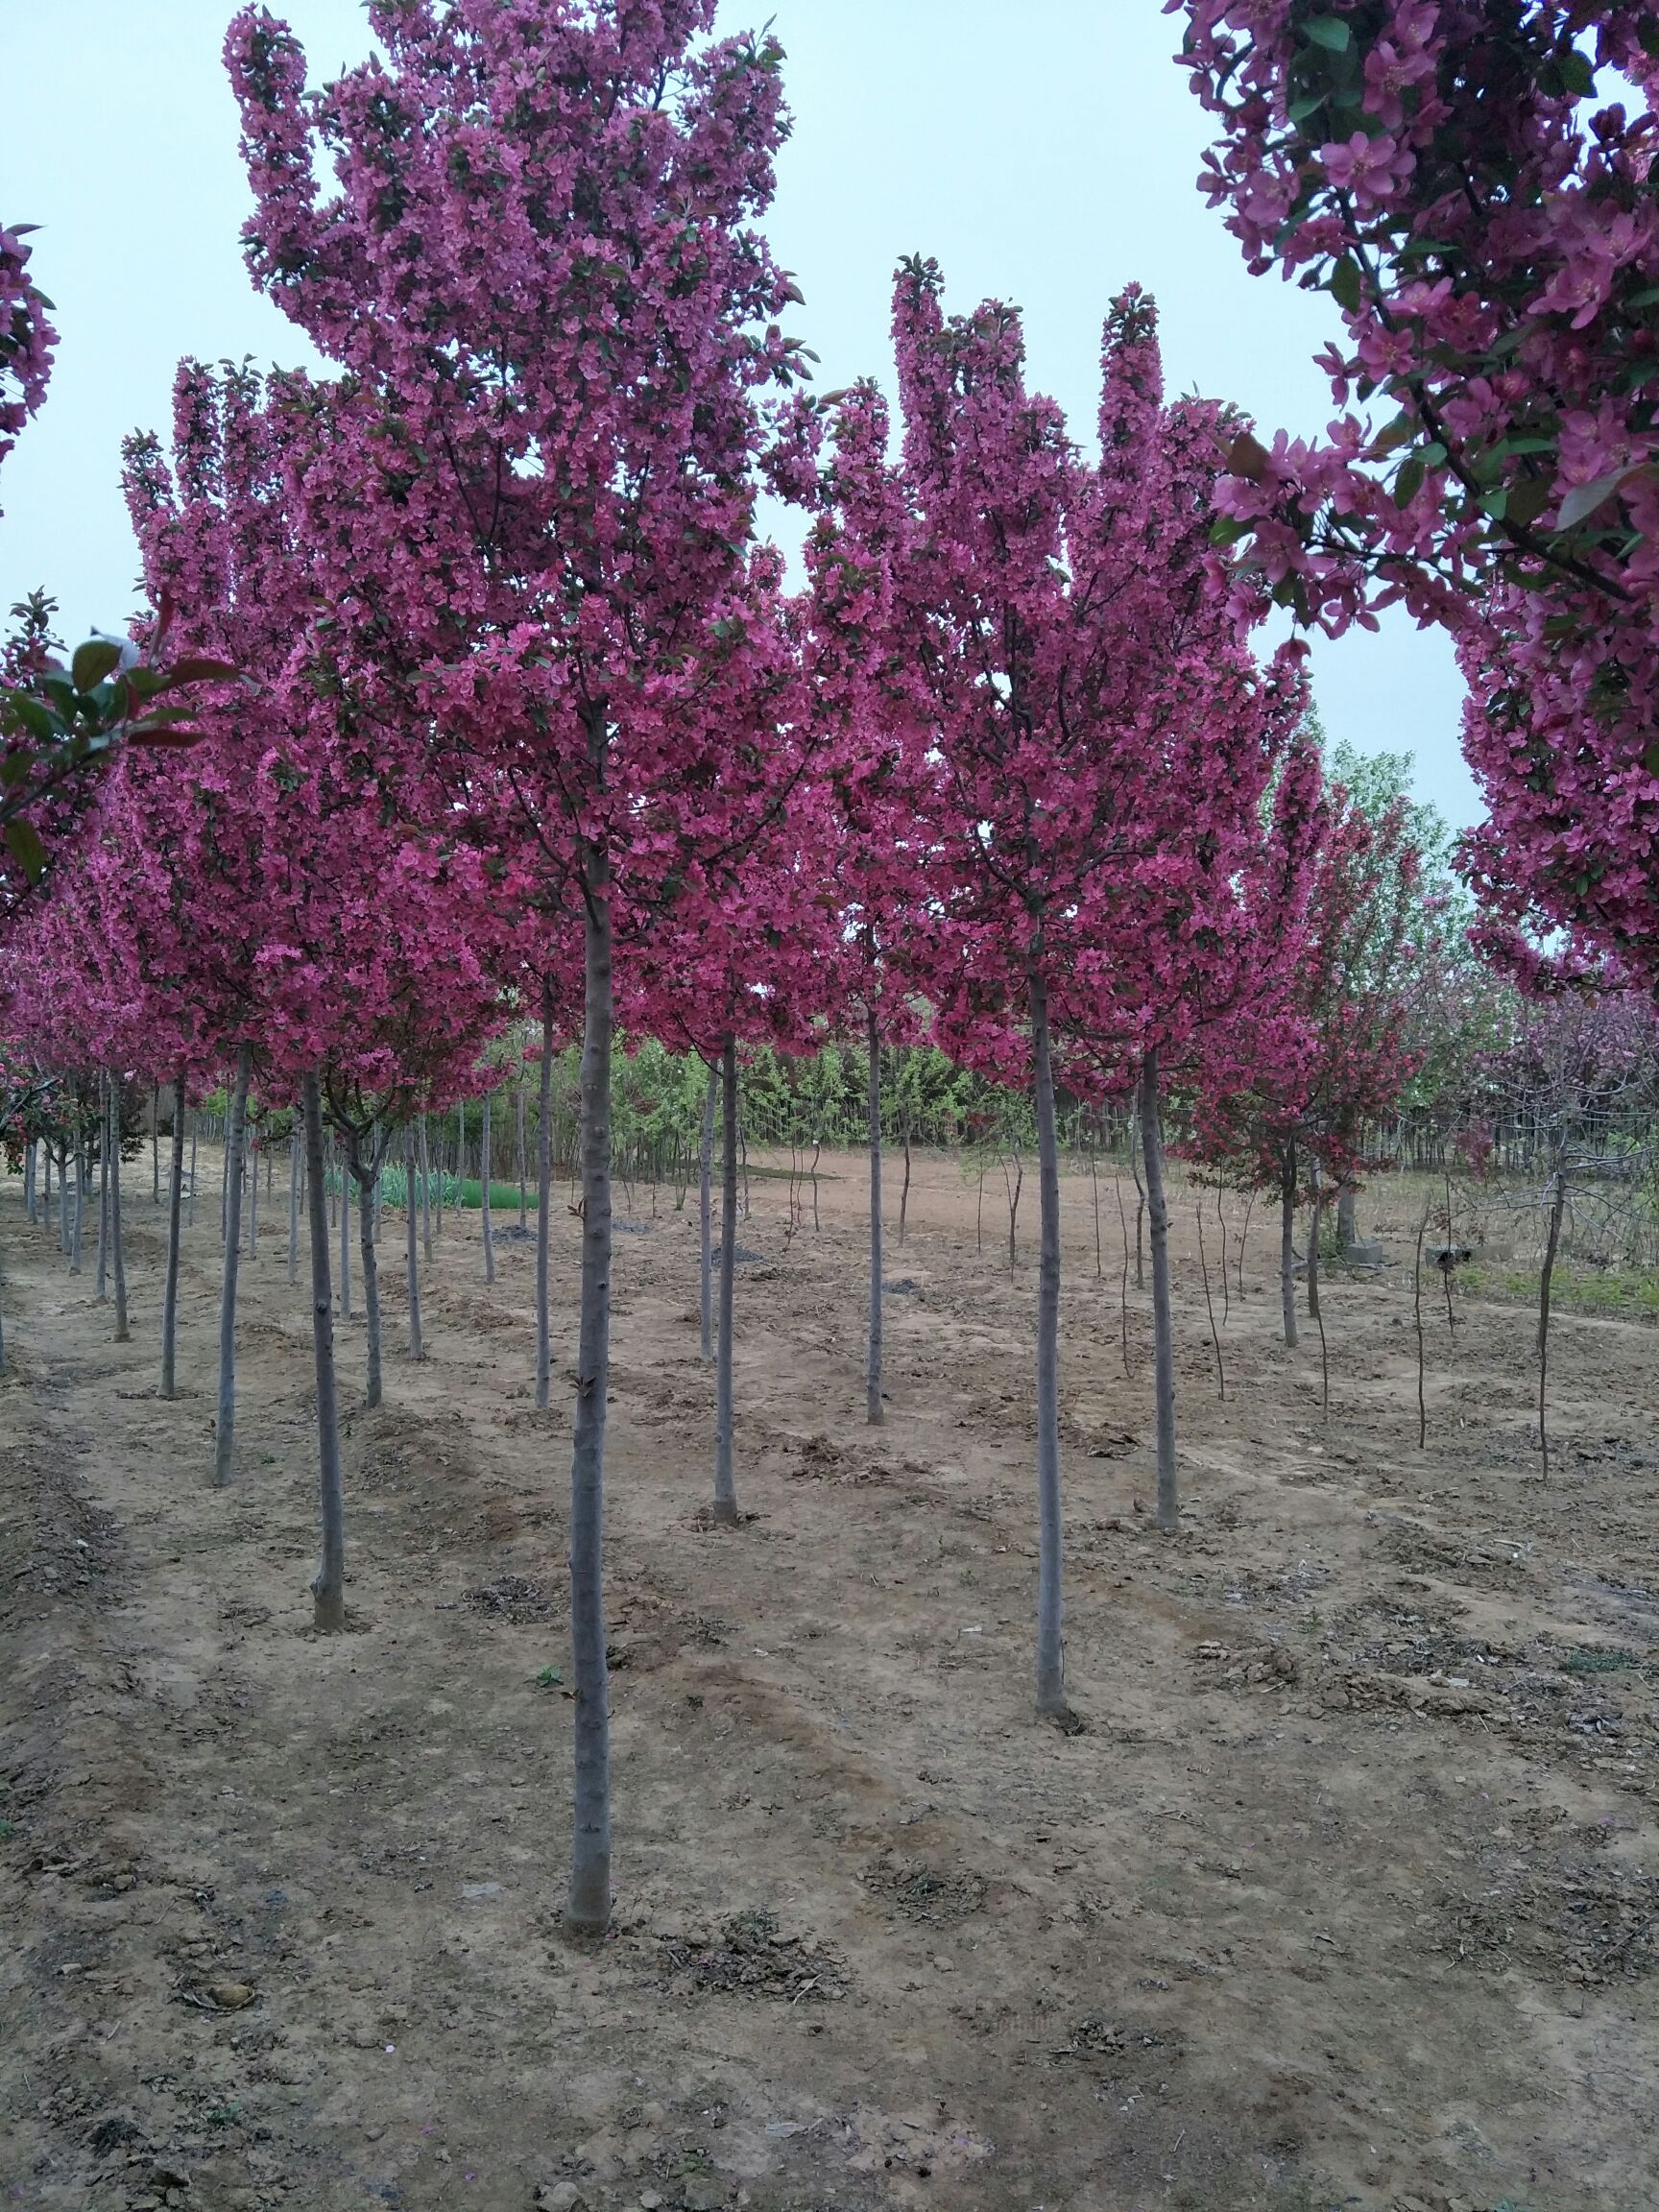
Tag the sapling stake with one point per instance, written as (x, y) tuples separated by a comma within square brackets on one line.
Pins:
[(1162, 1319), (1209, 1302), (1052, 1701), (1226, 1294), (874, 1413), (1287, 1241), (117, 1252), (1417, 1317), (725, 1486), (1546, 1277), (295, 1141), (543, 1200), (175, 1215), (416, 1350), (484, 1172), (329, 1583), (1123, 1286), (706, 1213), (426, 1194), (224, 1431)]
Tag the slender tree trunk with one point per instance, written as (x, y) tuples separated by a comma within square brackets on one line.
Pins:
[(1287, 1241), (329, 1583), (345, 1233), (63, 1191), (545, 1202), (175, 1222), (117, 1249), (438, 1193), (225, 1434), (253, 1153), (1162, 1319), (1546, 1278), (1136, 1145), (195, 1130), (484, 1172), (523, 1161), (874, 1413), (103, 1190), (416, 1347), (426, 1193), (1315, 1214), (706, 1215), (77, 1229), (905, 1185), (588, 1908), (1050, 1624), (154, 1144), (725, 1487), (31, 1164), (367, 1173), (294, 1146)]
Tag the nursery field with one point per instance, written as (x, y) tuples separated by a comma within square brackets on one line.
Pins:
[(1347, 1896)]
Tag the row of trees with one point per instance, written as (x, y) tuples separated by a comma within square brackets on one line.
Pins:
[(504, 709)]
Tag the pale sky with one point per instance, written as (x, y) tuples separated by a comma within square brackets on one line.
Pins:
[(1045, 154)]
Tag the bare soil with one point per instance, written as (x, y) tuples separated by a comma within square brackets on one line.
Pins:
[(1348, 1896)]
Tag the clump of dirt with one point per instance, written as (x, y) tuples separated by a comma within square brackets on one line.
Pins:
[(1587, 1920), (749, 1956), (928, 1894), (517, 1598)]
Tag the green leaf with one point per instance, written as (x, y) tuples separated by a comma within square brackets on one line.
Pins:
[(1345, 284), (1648, 35), (1310, 104), (24, 841), (32, 715), (1583, 500), (1577, 74), (1328, 32), (1228, 529), (1409, 482), (97, 658), (199, 668)]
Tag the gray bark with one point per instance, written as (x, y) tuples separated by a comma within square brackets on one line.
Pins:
[(484, 1172), (426, 1193), (175, 1222), (367, 1173), (725, 1486), (1050, 1639), (329, 1583), (588, 1907), (344, 1234), (117, 1252), (1347, 1216), (154, 1144), (31, 1168), (874, 1411), (195, 1127), (1287, 1244), (706, 1215), (225, 1435), (1137, 1142), (524, 1160), (416, 1347), (77, 1221), (1162, 1319), (1546, 1278), (545, 1202), (294, 1142), (253, 1152), (1313, 1227)]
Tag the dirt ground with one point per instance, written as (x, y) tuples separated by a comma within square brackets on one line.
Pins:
[(1347, 1897)]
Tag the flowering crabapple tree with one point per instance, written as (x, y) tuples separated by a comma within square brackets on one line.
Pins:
[(1106, 741), (1290, 1104), (1471, 183), (539, 270)]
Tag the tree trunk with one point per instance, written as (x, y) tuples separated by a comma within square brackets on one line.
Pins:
[(874, 1413), (484, 1172), (31, 1169), (1546, 1277), (416, 1348), (704, 1215), (425, 1192), (225, 1433), (725, 1487), (523, 1161), (1162, 1319), (294, 1143), (905, 1185), (1315, 1212), (1050, 1639), (367, 1174), (195, 1130), (345, 1233), (1347, 1216), (589, 1908), (438, 1194), (1288, 1242), (254, 1151), (175, 1222), (117, 1251), (103, 1291), (1136, 1145), (154, 1144), (77, 1229), (329, 1583), (545, 1201)]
